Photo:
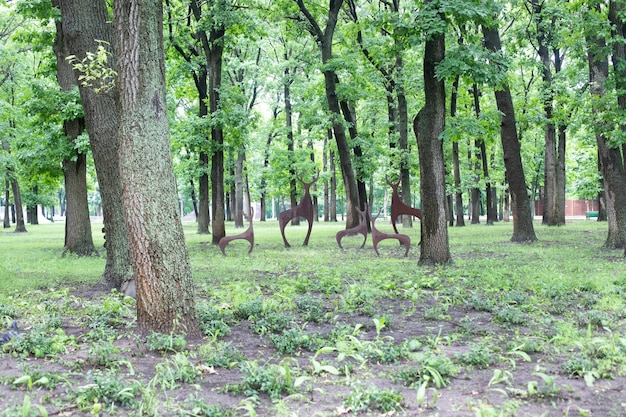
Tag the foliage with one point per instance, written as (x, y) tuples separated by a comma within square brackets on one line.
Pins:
[(370, 398)]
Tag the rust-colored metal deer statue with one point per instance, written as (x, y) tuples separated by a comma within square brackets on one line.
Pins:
[(247, 235), (377, 236), (303, 209), (398, 207), (360, 229)]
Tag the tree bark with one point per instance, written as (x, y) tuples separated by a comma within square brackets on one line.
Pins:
[(324, 40), (428, 126), (165, 292), (523, 229), (84, 22), (456, 167), (609, 157), (78, 237), (6, 222), (20, 226)]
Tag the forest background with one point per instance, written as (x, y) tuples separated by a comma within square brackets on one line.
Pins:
[(274, 117)]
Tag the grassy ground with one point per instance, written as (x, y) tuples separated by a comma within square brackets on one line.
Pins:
[(506, 330)]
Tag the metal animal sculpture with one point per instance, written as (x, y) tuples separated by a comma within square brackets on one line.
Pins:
[(303, 209), (377, 236), (360, 229), (247, 235), (398, 207)]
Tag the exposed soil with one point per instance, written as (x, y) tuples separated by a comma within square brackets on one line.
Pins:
[(453, 333)]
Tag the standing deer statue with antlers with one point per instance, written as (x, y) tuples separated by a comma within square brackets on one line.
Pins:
[(398, 207), (303, 209), (248, 235)]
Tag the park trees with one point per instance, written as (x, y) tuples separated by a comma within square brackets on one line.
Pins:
[(428, 126), (324, 39), (523, 229), (78, 237), (165, 295), (610, 157), (86, 28)]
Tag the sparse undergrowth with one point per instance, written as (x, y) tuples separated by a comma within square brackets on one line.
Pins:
[(506, 330)]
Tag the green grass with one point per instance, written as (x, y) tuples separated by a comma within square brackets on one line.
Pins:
[(322, 319)]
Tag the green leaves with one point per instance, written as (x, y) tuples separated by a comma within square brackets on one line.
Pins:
[(95, 68)]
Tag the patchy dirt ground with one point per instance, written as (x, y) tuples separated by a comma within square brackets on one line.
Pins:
[(462, 359)]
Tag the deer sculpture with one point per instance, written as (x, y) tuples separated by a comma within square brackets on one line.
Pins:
[(398, 207), (303, 209), (247, 235), (360, 229), (377, 236)]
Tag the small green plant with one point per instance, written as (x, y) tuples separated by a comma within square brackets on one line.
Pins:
[(249, 309), (371, 398), (177, 368), (360, 299), (311, 308), (479, 356), (33, 377), (212, 322), (220, 354), (510, 314), (42, 343), (166, 342), (431, 369), (479, 302), (292, 340), (272, 322), (275, 380), (107, 389)]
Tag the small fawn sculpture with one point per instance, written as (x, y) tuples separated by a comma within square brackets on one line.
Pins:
[(247, 235), (398, 207), (303, 209), (360, 229), (377, 236)]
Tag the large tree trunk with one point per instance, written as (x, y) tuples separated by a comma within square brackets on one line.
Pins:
[(456, 167), (349, 114), (217, 135), (324, 40), (609, 157), (523, 229), (165, 292), (293, 191), (428, 126), (85, 22), (551, 203), (6, 222), (78, 237), (239, 186), (20, 226)]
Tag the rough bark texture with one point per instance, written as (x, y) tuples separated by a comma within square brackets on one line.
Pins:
[(165, 294), (428, 126), (84, 22), (523, 229), (78, 237), (609, 158)]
